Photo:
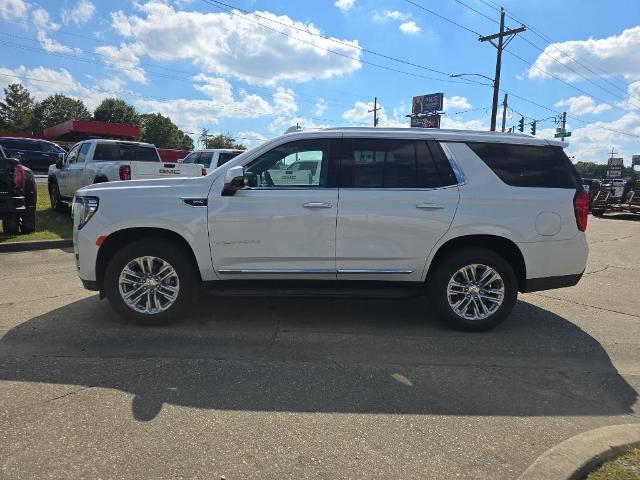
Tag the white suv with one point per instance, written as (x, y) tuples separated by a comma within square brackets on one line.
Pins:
[(468, 218)]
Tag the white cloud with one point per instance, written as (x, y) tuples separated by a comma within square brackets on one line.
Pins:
[(591, 142), (410, 28), (42, 20), (583, 105), (51, 45), (359, 113), (125, 58), (632, 101), (458, 102), (320, 107), (381, 16), (345, 5), (616, 55), (81, 13), (42, 82), (250, 139), (10, 9), (194, 114), (224, 44), (282, 123)]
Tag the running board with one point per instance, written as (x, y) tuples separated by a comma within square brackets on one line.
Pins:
[(329, 288)]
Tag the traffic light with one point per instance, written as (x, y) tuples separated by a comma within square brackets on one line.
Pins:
[(521, 124), (533, 127)]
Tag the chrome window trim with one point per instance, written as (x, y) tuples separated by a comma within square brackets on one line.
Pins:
[(366, 271)]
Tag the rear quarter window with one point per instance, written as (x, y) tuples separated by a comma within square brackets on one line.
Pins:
[(529, 165)]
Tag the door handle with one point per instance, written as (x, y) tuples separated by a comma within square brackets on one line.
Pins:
[(429, 206), (317, 205)]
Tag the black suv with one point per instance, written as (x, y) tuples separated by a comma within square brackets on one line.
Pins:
[(18, 196), (32, 153)]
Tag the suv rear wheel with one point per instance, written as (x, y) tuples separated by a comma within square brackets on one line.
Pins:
[(473, 289), (150, 282), (54, 197)]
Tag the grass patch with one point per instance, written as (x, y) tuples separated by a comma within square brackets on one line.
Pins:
[(50, 225), (624, 467)]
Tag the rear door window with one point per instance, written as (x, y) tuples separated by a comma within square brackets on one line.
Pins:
[(224, 157), (192, 158), (205, 159), (125, 152), (395, 163), (529, 165)]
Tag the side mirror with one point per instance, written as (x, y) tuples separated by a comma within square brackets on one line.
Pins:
[(233, 181), (60, 161)]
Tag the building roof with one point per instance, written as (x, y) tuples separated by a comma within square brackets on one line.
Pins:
[(76, 130)]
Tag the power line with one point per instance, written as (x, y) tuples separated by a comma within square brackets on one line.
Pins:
[(404, 72), (442, 17), (552, 43)]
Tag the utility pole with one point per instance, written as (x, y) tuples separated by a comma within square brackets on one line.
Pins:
[(375, 111), (504, 111), (500, 46)]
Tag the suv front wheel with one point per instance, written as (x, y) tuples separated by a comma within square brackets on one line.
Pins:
[(150, 281), (473, 289)]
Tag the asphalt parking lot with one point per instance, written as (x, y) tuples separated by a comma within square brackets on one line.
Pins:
[(310, 388)]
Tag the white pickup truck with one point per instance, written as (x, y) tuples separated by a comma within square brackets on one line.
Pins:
[(97, 161)]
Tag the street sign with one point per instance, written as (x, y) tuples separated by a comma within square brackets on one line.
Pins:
[(615, 162), (635, 160), (427, 103), (561, 135), (430, 121), (614, 172)]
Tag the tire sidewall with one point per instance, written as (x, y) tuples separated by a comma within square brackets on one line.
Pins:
[(173, 255), (451, 264)]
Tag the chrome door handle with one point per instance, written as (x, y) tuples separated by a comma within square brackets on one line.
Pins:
[(317, 205), (429, 206)]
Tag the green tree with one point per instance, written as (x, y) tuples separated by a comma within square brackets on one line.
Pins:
[(116, 110), (56, 109), (163, 133), (16, 111), (220, 141)]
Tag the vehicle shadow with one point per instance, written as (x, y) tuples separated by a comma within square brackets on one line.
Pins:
[(322, 355), (621, 216)]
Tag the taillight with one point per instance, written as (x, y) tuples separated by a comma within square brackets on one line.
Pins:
[(581, 207), (204, 172), (18, 177), (125, 172)]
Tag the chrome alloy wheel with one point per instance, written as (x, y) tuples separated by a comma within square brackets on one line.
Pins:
[(149, 285), (475, 292)]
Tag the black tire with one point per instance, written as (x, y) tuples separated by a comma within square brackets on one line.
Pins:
[(28, 223), (175, 256), (447, 267), (56, 200), (11, 225)]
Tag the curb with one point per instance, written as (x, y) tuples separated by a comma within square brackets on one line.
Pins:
[(35, 245), (574, 458)]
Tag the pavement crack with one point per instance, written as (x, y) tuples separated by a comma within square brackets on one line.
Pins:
[(611, 239), (68, 394)]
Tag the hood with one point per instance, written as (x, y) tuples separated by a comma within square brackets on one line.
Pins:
[(197, 185)]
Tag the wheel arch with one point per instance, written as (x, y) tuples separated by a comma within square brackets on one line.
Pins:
[(500, 245), (116, 240)]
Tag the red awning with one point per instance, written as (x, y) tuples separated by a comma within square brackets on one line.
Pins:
[(76, 130)]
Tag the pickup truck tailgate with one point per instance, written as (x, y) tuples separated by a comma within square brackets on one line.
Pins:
[(148, 170)]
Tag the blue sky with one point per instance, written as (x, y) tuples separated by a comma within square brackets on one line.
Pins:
[(252, 76)]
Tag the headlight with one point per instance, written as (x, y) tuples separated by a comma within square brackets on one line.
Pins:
[(84, 208)]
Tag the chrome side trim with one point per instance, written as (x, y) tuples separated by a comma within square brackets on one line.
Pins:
[(457, 170), (277, 271), (232, 271), (375, 271)]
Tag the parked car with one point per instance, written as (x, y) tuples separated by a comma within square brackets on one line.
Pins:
[(98, 161), (212, 158), (18, 196), (467, 218), (34, 154)]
